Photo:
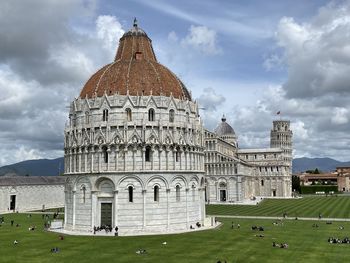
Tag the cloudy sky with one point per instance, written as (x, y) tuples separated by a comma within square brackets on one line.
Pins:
[(245, 59)]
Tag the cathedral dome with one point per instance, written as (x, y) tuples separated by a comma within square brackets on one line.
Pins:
[(135, 71), (224, 128)]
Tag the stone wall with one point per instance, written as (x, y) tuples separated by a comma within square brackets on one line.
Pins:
[(32, 197)]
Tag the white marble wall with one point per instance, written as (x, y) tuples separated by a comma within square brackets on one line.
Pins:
[(170, 212), (176, 158), (32, 197)]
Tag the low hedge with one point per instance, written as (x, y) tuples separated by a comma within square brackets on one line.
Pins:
[(312, 189)]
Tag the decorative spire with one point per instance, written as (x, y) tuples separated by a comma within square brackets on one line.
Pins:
[(135, 22), (223, 118)]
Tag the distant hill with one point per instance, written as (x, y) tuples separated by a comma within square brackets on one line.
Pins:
[(40, 167), (45, 167), (323, 164)]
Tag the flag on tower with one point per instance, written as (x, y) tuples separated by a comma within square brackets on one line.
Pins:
[(278, 112)]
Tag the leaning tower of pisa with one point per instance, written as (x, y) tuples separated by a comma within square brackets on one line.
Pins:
[(281, 137)]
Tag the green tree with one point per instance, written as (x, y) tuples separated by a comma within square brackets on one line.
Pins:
[(296, 183)]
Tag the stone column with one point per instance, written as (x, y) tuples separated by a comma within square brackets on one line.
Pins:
[(92, 159), (152, 158), (74, 212), (65, 208), (70, 160), (93, 208), (134, 150), (143, 152), (125, 157), (79, 159), (115, 207), (109, 155), (116, 157), (168, 207), (144, 207), (99, 159), (187, 216), (201, 192), (167, 158), (86, 151), (160, 157)]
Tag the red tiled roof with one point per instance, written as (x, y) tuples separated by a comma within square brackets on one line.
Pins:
[(135, 71)]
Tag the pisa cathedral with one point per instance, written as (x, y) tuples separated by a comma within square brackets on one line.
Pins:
[(137, 155)]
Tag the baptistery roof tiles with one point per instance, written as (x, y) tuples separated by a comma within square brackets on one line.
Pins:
[(135, 71)]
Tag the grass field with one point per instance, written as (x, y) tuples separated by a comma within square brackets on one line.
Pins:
[(312, 206), (306, 244)]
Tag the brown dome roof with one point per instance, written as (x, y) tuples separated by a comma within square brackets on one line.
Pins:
[(135, 71)]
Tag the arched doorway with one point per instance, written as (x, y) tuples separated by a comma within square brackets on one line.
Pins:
[(105, 202), (223, 191)]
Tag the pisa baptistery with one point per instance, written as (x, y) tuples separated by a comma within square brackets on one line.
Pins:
[(133, 147)]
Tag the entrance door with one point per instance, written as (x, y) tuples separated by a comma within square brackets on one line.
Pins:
[(12, 202), (273, 192), (223, 195), (106, 214)]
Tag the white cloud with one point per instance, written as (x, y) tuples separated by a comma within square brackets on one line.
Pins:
[(299, 130), (317, 53), (203, 39), (172, 36), (72, 59), (44, 62), (340, 116), (109, 30)]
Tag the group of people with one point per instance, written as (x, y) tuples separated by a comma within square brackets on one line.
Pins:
[(259, 228), (198, 225), (282, 245), (106, 228), (335, 240)]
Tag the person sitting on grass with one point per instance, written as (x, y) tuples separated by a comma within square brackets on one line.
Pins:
[(55, 250), (141, 251), (274, 244), (15, 242)]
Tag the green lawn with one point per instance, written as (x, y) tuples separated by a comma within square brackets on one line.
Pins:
[(332, 206), (306, 244)]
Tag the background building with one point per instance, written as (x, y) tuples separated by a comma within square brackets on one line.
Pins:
[(235, 175), (28, 193)]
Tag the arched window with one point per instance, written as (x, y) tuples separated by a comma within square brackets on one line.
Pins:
[(105, 154), (177, 193), (187, 117), (128, 114), (156, 193), (171, 115), (74, 120), (87, 117), (148, 154), (177, 156), (131, 194), (262, 182), (83, 192), (105, 115), (151, 115)]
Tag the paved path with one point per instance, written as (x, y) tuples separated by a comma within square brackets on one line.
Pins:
[(287, 218)]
